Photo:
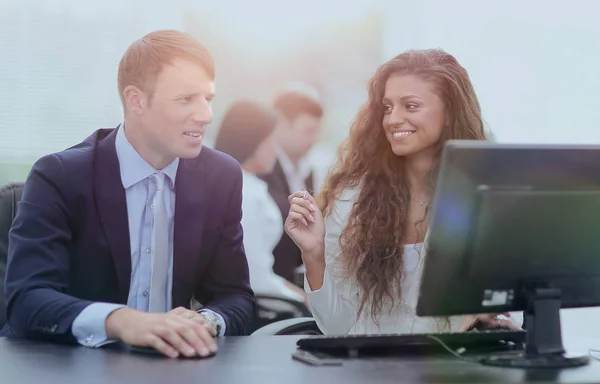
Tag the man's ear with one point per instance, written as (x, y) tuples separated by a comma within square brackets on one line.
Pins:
[(135, 99)]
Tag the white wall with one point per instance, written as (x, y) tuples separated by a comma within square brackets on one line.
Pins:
[(535, 64)]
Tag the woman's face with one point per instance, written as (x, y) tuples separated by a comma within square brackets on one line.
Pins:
[(414, 115)]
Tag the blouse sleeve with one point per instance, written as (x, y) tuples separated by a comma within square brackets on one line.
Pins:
[(335, 305)]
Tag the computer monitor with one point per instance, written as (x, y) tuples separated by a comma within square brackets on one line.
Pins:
[(515, 228)]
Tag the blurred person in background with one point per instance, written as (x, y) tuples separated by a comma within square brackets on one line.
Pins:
[(247, 133), (297, 131)]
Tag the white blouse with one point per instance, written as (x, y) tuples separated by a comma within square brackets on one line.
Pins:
[(335, 305), (263, 227)]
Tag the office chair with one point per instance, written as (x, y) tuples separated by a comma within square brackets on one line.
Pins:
[(272, 309), (295, 326), (10, 194)]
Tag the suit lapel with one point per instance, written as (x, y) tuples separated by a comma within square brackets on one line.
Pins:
[(281, 178), (112, 210), (310, 187), (189, 224)]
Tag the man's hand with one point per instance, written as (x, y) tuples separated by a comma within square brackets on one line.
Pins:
[(173, 333), (487, 321)]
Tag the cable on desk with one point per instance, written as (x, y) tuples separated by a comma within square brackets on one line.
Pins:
[(457, 354), (591, 351)]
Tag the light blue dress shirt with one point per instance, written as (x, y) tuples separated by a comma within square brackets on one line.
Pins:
[(136, 175)]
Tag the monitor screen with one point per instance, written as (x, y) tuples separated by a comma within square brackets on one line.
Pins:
[(509, 217)]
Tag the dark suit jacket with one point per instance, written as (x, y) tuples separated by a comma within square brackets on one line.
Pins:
[(287, 254), (69, 244)]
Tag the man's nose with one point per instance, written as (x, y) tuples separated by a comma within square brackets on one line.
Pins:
[(203, 114)]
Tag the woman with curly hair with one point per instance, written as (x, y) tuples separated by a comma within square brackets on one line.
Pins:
[(363, 239)]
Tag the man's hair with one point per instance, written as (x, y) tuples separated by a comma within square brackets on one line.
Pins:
[(146, 57), (292, 103)]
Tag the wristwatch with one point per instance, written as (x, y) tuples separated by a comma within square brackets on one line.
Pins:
[(212, 319)]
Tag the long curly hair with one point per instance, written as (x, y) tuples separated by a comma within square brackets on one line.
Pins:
[(372, 242)]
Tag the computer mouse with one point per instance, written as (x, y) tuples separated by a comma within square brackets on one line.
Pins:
[(155, 352)]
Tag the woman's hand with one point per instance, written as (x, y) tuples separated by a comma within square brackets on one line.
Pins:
[(487, 321), (305, 224)]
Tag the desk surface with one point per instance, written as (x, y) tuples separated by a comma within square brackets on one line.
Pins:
[(251, 359)]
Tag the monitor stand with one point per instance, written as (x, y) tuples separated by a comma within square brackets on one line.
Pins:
[(543, 347)]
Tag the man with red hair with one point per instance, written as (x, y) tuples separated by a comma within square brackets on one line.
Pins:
[(115, 232)]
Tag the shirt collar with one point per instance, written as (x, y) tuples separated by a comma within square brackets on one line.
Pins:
[(134, 168), (302, 171)]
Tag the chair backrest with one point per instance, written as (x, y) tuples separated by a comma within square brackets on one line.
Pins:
[(271, 309), (10, 195), (296, 326)]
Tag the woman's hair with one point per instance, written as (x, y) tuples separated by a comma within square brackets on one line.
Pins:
[(372, 241), (245, 126)]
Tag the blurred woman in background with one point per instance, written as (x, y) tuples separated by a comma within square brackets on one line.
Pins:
[(246, 133)]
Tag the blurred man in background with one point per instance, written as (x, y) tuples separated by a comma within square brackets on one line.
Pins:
[(297, 131)]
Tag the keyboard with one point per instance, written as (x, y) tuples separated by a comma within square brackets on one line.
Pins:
[(481, 341)]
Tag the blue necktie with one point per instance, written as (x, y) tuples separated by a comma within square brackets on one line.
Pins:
[(160, 249)]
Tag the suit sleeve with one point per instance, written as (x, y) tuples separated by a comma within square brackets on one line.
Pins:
[(226, 287), (38, 259)]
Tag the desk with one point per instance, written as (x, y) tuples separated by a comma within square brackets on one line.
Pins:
[(250, 359)]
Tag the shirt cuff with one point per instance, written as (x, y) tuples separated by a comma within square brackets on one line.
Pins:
[(317, 292), (220, 320), (89, 327)]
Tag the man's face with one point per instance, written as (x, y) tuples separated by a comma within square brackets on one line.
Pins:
[(298, 136), (174, 116)]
